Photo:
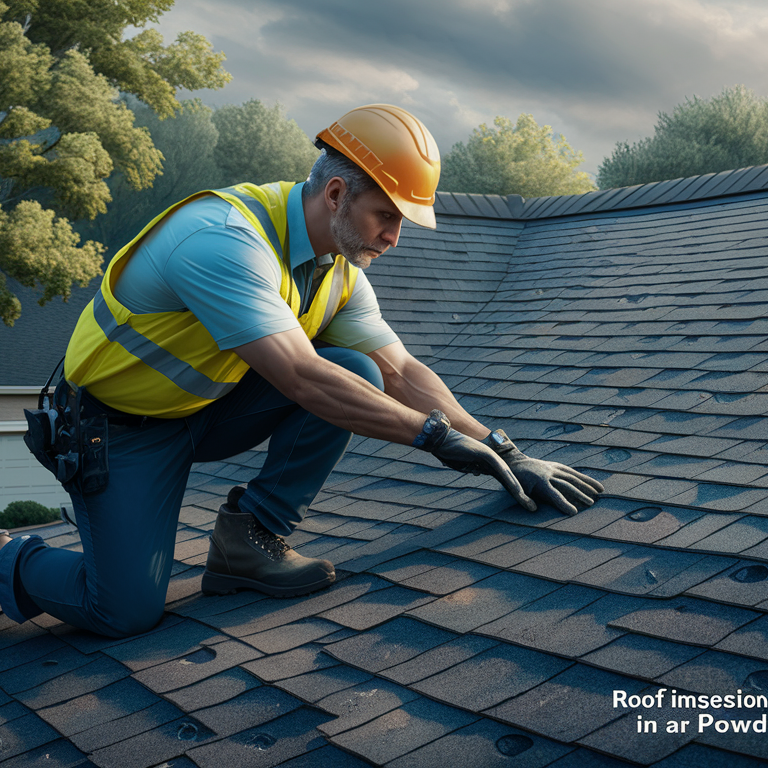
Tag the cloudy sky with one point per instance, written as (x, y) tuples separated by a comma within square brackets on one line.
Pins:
[(597, 71)]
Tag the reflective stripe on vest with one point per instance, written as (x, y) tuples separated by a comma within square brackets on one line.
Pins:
[(182, 374)]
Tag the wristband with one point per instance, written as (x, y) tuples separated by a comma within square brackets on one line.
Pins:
[(433, 432), (499, 442)]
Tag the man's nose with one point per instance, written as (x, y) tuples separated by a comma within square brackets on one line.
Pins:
[(392, 234)]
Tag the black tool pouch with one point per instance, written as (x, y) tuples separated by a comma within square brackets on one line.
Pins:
[(39, 437), (67, 441), (44, 427)]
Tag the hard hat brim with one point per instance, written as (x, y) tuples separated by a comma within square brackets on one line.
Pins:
[(423, 215)]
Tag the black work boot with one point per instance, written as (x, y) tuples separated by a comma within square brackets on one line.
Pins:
[(243, 555)]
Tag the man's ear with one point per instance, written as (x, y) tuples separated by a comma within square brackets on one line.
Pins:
[(334, 193)]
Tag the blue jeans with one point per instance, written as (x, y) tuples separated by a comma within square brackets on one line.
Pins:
[(117, 586)]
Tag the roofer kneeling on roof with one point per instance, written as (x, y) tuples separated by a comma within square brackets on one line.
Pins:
[(226, 321)]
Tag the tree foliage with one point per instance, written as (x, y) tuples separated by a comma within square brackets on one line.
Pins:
[(203, 149), (520, 158), (64, 129), (700, 136), (187, 141), (259, 144), (141, 65)]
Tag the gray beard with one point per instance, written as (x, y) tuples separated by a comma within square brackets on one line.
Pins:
[(347, 238)]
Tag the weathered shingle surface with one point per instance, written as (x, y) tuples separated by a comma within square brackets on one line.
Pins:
[(629, 342)]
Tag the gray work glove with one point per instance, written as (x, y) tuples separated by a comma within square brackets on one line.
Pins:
[(546, 481), (466, 454)]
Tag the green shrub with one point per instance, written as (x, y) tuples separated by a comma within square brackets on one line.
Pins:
[(19, 514)]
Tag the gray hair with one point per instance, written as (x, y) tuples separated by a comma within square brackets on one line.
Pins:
[(332, 163)]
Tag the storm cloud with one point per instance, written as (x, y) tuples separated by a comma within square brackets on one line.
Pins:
[(597, 71)]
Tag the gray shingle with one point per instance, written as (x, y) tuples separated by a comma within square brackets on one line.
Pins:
[(642, 657), (450, 577), (648, 524), (361, 704), (196, 666), (568, 561), (569, 706), (54, 754), (99, 708), (390, 644), (646, 570), (526, 548), (316, 685), (483, 602), (438, 659), (142, 721), (736, 537), (532, 623), (686, 620), (749, 640), (266, 745), (85, 679), (37, 672), (406, 567), (698, 530), (36, 648), (485, 744), (25, 733), (491, 677), (254, 707), (289, 636), (378, 607), (745, 583), (179, 640), (213, 690), (402, 730), (274, 612), (289, 664), (586, 758), (586, 629)]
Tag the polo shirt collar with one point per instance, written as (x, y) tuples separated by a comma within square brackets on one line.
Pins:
[(301, 250)]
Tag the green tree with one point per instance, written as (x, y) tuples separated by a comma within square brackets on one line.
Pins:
[(63, 129), (259, 144), (252, 142), (520, 158), (187, 142), (700, 136)]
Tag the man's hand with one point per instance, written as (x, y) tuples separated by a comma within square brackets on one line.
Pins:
[(546, 481), (465, 454)]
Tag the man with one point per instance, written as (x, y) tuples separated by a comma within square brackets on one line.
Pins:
[(227, 321)]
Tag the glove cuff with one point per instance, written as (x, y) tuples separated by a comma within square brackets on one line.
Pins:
[(434, 431), (500, 443)]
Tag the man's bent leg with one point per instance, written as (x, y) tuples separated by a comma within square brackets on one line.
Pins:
[(117, 586), (303, 449), (246, 548)]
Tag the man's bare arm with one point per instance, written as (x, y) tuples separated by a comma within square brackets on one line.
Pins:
[(289, 362), (415, 385), (411, 382)]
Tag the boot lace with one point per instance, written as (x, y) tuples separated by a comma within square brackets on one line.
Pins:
[(271, 543)]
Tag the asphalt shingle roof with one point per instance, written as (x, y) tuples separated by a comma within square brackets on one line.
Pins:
[(622, 332)]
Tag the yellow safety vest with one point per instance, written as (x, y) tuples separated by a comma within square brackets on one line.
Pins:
[(166, 364)]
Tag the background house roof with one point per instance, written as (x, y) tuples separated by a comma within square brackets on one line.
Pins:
[(623, 333)]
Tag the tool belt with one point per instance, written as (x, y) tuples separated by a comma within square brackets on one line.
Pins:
[(68, 439)]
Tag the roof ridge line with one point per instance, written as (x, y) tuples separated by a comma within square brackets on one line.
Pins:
[(682, 190)]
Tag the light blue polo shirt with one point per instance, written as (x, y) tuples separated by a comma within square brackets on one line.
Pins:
[(205, 257)]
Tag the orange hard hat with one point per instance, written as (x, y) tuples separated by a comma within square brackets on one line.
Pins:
[(396, 150)]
